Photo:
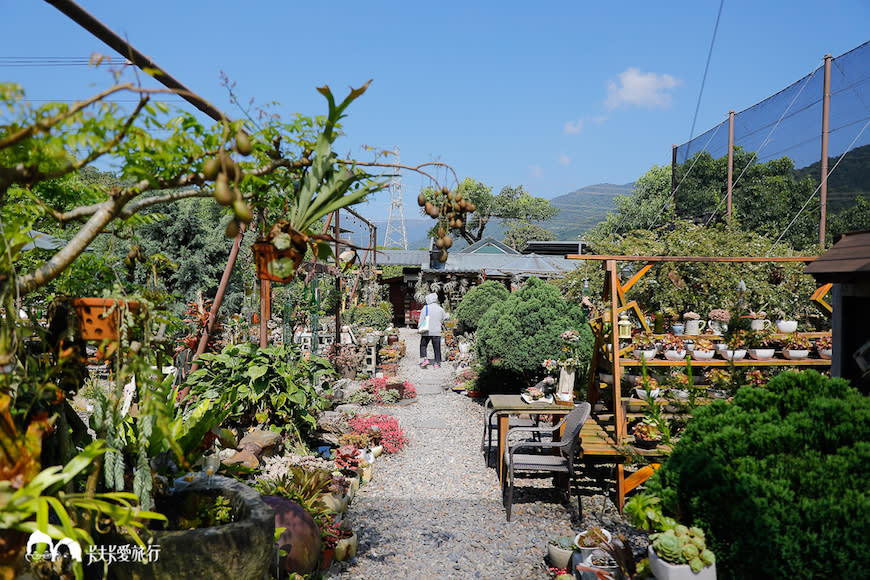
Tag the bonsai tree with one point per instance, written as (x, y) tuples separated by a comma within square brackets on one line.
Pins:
[(515, 335), (785, 459), (476, 302)]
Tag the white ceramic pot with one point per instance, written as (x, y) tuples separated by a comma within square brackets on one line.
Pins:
[(586, 553), (675, 354), (695, 326), (718, 328), (464, 347), (648, 354), (826, 353), (760, 324), (761, 353), (786, 326), (736, 354), (795, 354), (703, 354), (641, 393), (666, 571)]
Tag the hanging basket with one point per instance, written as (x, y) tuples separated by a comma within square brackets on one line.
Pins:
[(99, 318), (271, 262)]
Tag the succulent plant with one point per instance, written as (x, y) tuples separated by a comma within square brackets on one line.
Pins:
[(683, 545)]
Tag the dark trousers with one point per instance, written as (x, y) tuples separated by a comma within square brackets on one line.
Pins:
[(436, 345)]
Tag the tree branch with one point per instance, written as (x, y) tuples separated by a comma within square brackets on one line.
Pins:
[(47, 124)]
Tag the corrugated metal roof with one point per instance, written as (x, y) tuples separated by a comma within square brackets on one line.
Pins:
[(848, 259), (505, 264), (403, 257)]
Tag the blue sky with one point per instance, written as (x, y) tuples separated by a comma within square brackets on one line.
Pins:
[(551, 95)]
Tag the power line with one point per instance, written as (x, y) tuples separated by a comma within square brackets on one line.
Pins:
[(706, 69)]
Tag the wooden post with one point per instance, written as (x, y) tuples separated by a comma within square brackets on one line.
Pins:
[(338, 281), (826, 113), (265, 311), (618, 411), (730, 161)]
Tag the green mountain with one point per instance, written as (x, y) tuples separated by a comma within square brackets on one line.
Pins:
[(850, 179), (582, 208)]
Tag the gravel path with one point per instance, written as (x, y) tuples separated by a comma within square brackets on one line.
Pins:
[(435, 509)]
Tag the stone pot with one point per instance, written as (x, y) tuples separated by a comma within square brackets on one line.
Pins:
[(559, 557), (663, 570), (345, 548), (242, 548)]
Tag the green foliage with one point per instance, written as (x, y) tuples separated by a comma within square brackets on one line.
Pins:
[(273, 387), (765, 198), (378, 317), (519, 333), (513, 205), (682, 545), (700, 287), (518, 236), (785, 460), (476, 302)]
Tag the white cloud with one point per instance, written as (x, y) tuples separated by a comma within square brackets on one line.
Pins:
[(564, 159), (574, 127), (641, 89), (536, 170)]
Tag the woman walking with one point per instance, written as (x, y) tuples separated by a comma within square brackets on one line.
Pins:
[(436, 316)]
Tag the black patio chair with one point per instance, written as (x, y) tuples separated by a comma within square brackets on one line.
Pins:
[(556, 463), (490, 424)]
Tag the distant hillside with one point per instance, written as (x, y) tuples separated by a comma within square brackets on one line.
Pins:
[(583, 208), (848, 181), (578, 211)]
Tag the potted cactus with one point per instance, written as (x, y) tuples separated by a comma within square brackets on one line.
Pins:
[(681, 553)]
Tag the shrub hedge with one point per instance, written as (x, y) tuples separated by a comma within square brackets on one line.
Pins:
[(378, 317), (476, 302), (516, 335), (778, 478)]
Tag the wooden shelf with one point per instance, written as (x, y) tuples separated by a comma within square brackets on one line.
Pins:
[(716, 362)]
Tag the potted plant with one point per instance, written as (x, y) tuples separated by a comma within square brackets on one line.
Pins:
[(679, 553), (735, 344), (694, 325), (674, 347), (644, 345), (703, 349), (785, 322), (646, 435), (825, 347), (796, 347), (324, 187), (717, 321), (590, 540), (760, 343), (758, 320), (559, 551)]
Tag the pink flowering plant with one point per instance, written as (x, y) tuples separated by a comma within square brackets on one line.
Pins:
[(719, 315), (382, 390), (393, 437)]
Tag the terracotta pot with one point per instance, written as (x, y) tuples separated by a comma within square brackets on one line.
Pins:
[(392, 338), (328, 553), (99, 318), (265, 256)]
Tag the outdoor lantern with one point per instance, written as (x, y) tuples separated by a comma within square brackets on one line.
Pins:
[(624, 326)]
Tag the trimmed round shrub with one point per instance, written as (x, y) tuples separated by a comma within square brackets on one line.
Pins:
[(476, 302), (778, 479), (516, 335), (378, 317)]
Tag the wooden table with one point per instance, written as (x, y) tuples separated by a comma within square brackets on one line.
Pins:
[(506, 405)]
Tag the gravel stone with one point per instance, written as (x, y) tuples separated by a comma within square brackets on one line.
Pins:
[(435, 510)]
